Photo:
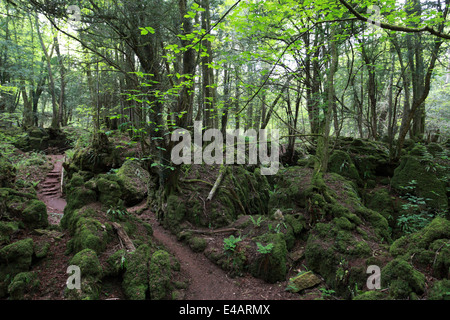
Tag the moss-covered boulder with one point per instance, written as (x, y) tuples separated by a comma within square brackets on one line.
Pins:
[(7, 228), (402, 279), (289, 189), (302, 281), (416, 170), (159, 275), (35, 214), (135, 279), (271, 266), (89, 233), (197, 244), (110, 192), (341, 163), (14, 258), (380, 200), (427, 247), (440, 290), (135, 180), (7, 173), (23, 283), (91, 273), (371, 295)]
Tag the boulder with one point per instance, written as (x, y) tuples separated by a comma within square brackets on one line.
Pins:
[(303, 281), (134, 179), (14, 259)]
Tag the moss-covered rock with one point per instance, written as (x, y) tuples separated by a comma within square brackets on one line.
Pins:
[(22, 284), (381, 201), (159, 275), (135, 179), (427, 184), (371, 295), (7, 228), (135, 279), (110, 192), (271, 267), (197, 244), (14, 258), (35, 214), (89, 233), (303, 281), (428, 247), (91, 274), (7, 173), (341, 163), (402, 279), (440, 290)]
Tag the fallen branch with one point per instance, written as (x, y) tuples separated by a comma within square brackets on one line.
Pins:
[(217, 183), (123, 237)]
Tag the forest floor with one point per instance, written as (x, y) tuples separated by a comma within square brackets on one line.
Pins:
[(206, 281)]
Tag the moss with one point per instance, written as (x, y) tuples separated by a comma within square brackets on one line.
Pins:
[(35, 214), (175, 213), (110, 192), (381, 201), (402, 279), (14, 258), (371, 295), (271, 267), (88, 262), (428, 246), (135, 279), (341, 163), (89, 233), (41, 249), (344, 223), (7, 173), (116, 263), (159, 275), (134, 179), (76, 199), (197, 244), (22, 284), (428, 186), (91, 274), (440, 290), (297, 223), (7, 229)]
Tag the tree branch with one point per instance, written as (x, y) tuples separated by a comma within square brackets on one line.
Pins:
[(392, 27)]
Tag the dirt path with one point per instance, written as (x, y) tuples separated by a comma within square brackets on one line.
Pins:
[(209, 282), (49, 191)]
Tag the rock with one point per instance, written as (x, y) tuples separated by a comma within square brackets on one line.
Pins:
[(427, 185), (440, 290), (91, 274), (271, 267), (428, 247), (135, 278), (341, 163), (7, 173), (35, 214), (23, 283), (303, 281), (134, 179), (402, 279), (297, 255), (159, 275), (14, 258)]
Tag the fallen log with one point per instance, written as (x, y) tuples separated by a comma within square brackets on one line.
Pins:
[(123, 237)]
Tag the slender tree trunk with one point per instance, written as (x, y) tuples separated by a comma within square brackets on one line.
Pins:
[(55, 123)]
